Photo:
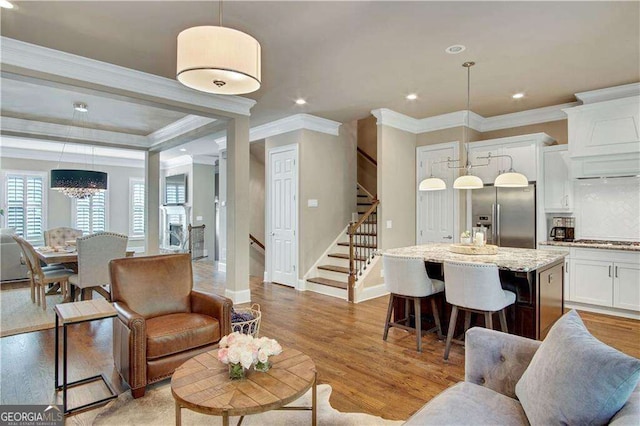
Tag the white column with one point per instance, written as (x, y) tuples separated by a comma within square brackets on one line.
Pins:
[(152, 202), (222, 187), (238, 215)]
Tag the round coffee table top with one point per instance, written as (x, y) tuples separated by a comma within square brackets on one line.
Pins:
[(202, 384)]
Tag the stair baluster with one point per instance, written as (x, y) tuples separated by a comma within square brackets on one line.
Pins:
[(362, 244)]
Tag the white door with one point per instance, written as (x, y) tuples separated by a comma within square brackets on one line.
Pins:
[(436, 215), (592, 282), (283, 220), (626, 286)]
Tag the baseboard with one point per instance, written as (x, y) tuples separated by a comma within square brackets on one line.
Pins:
[(302, 285), (602, 310), (238, 297), (265, 278), (368, 293), (222, 267)]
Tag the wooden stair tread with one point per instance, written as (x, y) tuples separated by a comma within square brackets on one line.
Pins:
[(345, 256), (333, 268), (328, 282), (371, 246), (365, 204)]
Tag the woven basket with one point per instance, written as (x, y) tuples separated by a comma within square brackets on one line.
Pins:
[(251, 327)]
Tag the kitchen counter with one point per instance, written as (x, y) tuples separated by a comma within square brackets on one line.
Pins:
[(599, 244), (507, 258)]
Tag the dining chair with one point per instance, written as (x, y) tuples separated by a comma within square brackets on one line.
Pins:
[(406, 278), (41, 276), (95, 251), (55, 237), (476, 288)]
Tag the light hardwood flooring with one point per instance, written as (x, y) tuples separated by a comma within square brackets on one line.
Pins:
[(388, 379)]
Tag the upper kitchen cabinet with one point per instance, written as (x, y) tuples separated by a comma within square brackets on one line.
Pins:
[(522, 149), (558, 188), (604, 133)]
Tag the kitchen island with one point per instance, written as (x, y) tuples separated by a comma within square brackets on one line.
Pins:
[(535, 276)]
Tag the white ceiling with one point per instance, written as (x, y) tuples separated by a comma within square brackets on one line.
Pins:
[(347, 58)]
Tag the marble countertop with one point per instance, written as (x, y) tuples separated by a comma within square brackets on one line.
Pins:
[(507, 258), (607, 245)]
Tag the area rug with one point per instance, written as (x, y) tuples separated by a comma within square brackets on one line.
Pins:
[(19, 315), (157, 407)]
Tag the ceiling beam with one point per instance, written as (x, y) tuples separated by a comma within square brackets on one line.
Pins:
[(79, 73)]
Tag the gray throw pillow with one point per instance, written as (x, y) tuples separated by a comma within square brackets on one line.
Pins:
[(574, 378)]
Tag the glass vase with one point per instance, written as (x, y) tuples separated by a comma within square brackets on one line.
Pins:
[(236, 371), (262, 366)]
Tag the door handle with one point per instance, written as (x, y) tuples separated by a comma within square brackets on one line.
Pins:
[(497, 242), (609, 271), (549, 278), (493, 224), (448, 237), (616, 273)]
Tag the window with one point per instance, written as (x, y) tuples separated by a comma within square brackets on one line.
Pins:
[(136, 217), (25, 201), (91, 213)]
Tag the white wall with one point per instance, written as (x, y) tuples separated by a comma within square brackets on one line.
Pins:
[(608, 209), (59, 206)]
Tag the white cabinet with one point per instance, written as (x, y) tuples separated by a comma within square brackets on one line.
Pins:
[(591, 282), (558, 188), (605, 278), (626, 286), (522, 149)]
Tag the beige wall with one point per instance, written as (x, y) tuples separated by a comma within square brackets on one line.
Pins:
[(327, 173), (396, 187), (555, 129), (368, 142), (256, 198), (59, 206), (203, 204)]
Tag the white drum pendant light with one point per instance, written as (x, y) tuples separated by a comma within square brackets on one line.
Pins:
[(468, 182), (511, 179), (432, 184), (219, 60)]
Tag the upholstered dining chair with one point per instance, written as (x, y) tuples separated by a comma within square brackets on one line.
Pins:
[(473, 287), (59, 236), (40, 276), (94, 253), (406, 278), (162, 321)]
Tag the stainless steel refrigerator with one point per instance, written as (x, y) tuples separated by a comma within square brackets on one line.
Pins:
[(508, 213)]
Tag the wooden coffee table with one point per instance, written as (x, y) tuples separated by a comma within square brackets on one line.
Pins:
[(202, 384)]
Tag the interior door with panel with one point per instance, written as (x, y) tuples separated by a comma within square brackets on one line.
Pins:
[(436, 213), (283, 184)]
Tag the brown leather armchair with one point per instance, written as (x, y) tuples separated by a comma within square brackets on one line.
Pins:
[(162, 321)]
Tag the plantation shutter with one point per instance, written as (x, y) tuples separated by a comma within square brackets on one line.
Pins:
[(25, 206), (98, 212), (83, 215), (137, 206), (173, 193)]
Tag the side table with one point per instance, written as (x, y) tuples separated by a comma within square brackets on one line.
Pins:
[(76, 313)]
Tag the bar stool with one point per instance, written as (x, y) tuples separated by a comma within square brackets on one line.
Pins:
[(406, 278), (473, 287)]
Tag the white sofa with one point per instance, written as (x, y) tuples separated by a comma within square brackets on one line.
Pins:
[(11, 266)]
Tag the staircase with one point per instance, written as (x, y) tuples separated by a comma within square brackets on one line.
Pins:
[(338, 270)]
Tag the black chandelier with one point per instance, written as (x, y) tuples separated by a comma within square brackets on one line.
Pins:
[(78, 183)]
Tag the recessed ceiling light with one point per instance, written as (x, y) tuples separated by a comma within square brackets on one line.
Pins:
[(518, 96), (5, 4), (183, 149), (455, 49), (412, 96), (80, 107), (301, 101)]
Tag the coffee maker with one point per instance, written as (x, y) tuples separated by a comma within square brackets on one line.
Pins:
[(563, 229)]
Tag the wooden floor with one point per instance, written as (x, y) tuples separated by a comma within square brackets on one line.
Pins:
[(388, 379)]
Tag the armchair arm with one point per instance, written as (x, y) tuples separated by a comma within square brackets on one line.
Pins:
[(130, 345), (215, 306), (497, 360)]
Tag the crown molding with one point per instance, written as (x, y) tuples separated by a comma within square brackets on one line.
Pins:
[(29, 59), (57, 132), (178, 128), (609, 93), (387, 117), (528, 117), (209, 160), (292, 123), (69, 158), (182, 160)]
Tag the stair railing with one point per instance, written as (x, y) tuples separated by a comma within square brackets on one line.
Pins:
[(363, 243), (253, 240)]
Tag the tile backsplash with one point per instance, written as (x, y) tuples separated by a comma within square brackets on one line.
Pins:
[(608, 209)]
